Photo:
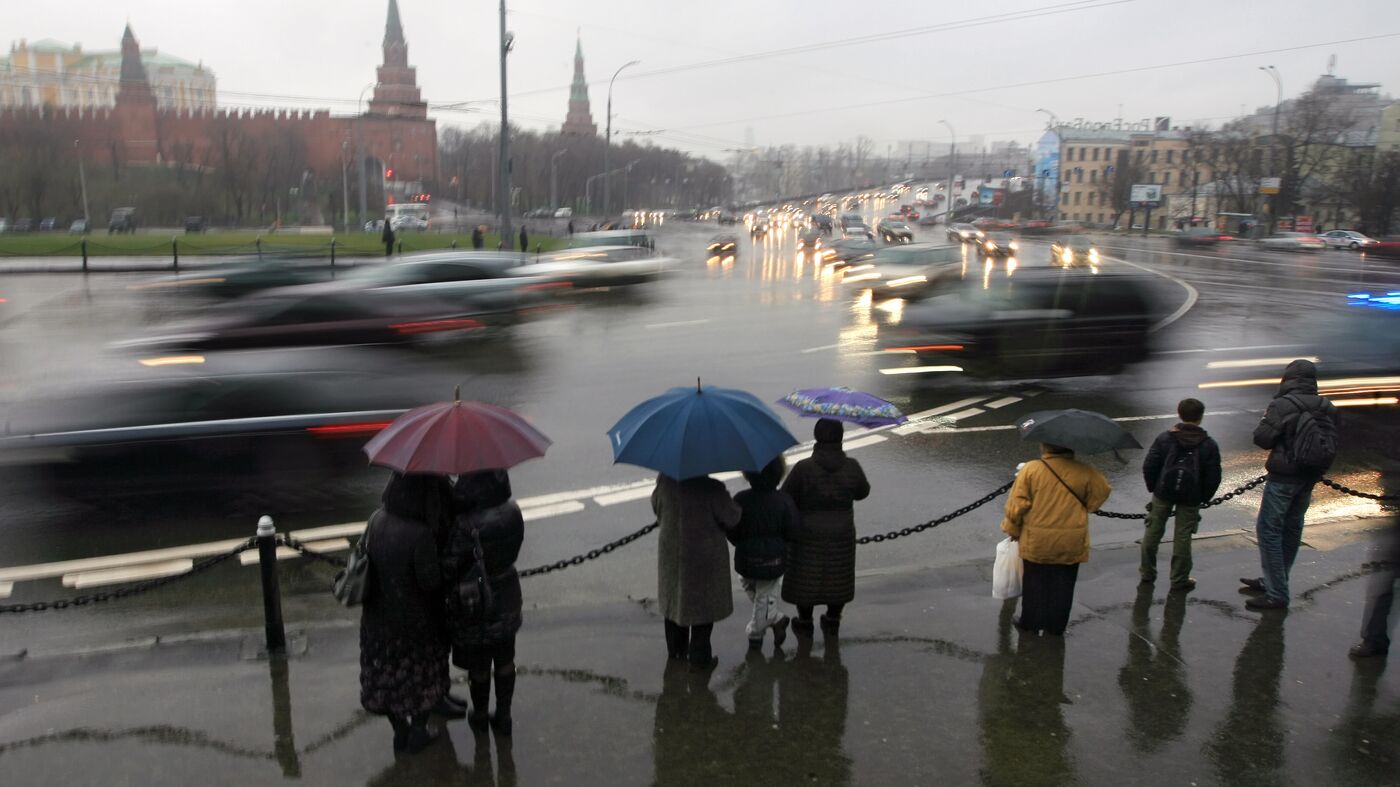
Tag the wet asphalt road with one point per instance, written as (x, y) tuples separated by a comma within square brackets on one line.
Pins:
[(767, 322)]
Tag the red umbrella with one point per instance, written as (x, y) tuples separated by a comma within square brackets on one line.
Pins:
[(456, 437)]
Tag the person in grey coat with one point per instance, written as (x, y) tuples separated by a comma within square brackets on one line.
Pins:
[(822, 557), (692, 562)]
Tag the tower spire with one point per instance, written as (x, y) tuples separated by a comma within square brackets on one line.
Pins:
[(396, 90), (579, 120)]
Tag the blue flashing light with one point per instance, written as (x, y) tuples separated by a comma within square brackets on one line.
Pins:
[(1389, 302)]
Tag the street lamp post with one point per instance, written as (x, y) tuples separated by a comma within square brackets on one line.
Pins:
[(554, 179), (504, 195), (82, 184), (359, 153), (607, 140), (952, 169), (1273, 142), (345, 184)]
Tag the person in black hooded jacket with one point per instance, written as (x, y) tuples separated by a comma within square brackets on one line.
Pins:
[(1288, 490), (1182, 471), (768, 521), (485, 646)]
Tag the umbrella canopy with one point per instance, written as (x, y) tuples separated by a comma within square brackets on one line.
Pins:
[(454, 438), (1081, 431), (843, 404), (689, 432)]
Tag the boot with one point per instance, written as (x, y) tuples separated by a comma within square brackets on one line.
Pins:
[(480, 689), (505, 692), (419, 736), (400, 725), (831, 627)]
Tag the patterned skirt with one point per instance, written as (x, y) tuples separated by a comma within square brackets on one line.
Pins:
[(402, 673)]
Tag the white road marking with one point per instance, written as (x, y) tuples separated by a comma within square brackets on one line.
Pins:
[(1226, 349), (116, 576), (1191, 295), (921, 369), (557, 509), (676, 324), (1000, 403), (819, 349), (6, 588), (968, 413), (578, 494), (286, 553), (623, 497), (958, 405)]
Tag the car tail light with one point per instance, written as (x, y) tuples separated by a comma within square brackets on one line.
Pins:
[(926, 348), (431, 326), (345, 430)]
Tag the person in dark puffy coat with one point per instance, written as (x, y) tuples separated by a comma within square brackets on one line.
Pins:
[(485, 647), (760, 539), (403, 654), (822, 558)]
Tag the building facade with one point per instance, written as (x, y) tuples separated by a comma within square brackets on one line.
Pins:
[(579, 120), (1088, 166), (54, 74)]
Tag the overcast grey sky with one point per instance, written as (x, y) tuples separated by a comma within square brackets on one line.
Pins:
[(891, 89)]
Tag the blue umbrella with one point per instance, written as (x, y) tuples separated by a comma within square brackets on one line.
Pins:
[(689, 432)]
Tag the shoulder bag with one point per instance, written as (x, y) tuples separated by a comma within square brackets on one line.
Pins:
[(351, 584), (1067, 487), (474, 594)]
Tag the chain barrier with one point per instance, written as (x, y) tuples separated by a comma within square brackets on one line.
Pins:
[(126, 591), (909, 531), (1346, 490), (292, 542), (592, 554)]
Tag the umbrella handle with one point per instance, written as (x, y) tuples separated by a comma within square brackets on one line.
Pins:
[(457, 394)]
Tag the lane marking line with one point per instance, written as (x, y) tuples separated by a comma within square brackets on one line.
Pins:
[(968, 413), (557, 509), (819, 349), (958, 405), (623, 497), (1192, 295), (676, 324), (6, 588), (1000, 403), (921, 369), (1227, 349)]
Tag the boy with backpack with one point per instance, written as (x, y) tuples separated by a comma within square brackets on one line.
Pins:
[(1182, 471), (1300, 430), (769, 520)]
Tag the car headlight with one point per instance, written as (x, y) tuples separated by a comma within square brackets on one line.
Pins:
[(1093, 255), (1067, 256), (1013, 245)]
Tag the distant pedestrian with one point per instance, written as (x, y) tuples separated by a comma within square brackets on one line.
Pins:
[(1380, 599), (1182, 471), (480, 558), (478, 237), (403, 653), (769, 520), (571, 227), (822, 555), (1300, 430), (692, 563), (524, 240), (1047, 512), (593, 228), (388, 237)]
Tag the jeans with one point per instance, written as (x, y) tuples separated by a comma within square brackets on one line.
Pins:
[(1188, 518), (764, 595), (1279, 529)]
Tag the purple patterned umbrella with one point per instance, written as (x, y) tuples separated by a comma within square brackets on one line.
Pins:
[(843, 404)]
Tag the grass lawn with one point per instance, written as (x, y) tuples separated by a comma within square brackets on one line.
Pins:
[(215, 243)]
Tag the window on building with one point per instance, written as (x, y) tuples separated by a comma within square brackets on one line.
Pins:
[(1166, 178), (1093, 176), (1100, 218), (1151, 177), (1076, 196), (1069, 154), (1079, 176), (1170, 153), (1139, 157), (1082, 154), (1091, 198), (1154, 157), (1096, 154)]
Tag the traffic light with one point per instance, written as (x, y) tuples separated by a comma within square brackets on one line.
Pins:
[(389, 174)]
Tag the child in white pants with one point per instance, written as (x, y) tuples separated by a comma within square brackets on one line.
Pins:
[(760, 548)]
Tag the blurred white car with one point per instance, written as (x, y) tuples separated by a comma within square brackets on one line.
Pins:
[(1347, 239), (600, 266), (564, 213), (409, 223), (1292, 241)]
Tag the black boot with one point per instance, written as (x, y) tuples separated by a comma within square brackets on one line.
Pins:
[(480, 689), (505, 692), (400, 725), (677, 640), (419, 736)]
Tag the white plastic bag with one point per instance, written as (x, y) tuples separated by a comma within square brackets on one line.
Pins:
[(1006, 572)]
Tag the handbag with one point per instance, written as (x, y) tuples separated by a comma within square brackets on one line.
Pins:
[(351, 584), (475, 597)]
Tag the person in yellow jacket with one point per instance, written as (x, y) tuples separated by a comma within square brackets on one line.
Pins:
[(1048, 514)]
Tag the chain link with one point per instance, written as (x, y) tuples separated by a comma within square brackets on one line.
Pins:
[(292, 542), (1236, 492), (126, 591), (1346, 490), (592, 554), (909, 531)]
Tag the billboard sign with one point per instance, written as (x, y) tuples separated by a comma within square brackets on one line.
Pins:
[(1146, 195), (1303, 223), (1270, 185)]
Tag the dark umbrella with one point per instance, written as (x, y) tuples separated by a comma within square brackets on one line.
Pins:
[(1081, 431), (455, 438)]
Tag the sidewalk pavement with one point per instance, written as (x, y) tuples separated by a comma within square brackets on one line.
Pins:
[(929, 683)]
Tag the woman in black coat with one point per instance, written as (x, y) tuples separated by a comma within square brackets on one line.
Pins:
[(484, 645), (403, 653), (822, 560)]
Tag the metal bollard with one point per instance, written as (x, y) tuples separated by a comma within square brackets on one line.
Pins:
[(454, 243), (175, 250), (258, 241), (272, 594), (84, 244), (332, 252)]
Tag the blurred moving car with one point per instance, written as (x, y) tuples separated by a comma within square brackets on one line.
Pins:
[(374, 225), (895, 231), (906, 271), (851, 220), (638, 238), (568, 213), (1200, 237), (857, 231), (1387, 248), (598, 266), (809, 240), (726, 217), (847, 251), (48, 224), (999, 244), (241, 277), (122, 220), (964, 233), (822, 222), (22, 225), (1073, 250), (407, 223), (1041, 322), (194, 224), (1292, 241), (156, 424), (723, 246), (78, 227), (1347, 239), (760, 227)]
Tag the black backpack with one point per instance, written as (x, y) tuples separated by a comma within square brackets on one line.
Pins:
[(1314, 442), (1180, 481)]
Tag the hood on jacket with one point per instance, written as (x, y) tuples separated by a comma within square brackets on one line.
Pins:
[(1299, 377), (410, 495), (828, 430), (767, 479), (1189, 435), (482, 489)]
